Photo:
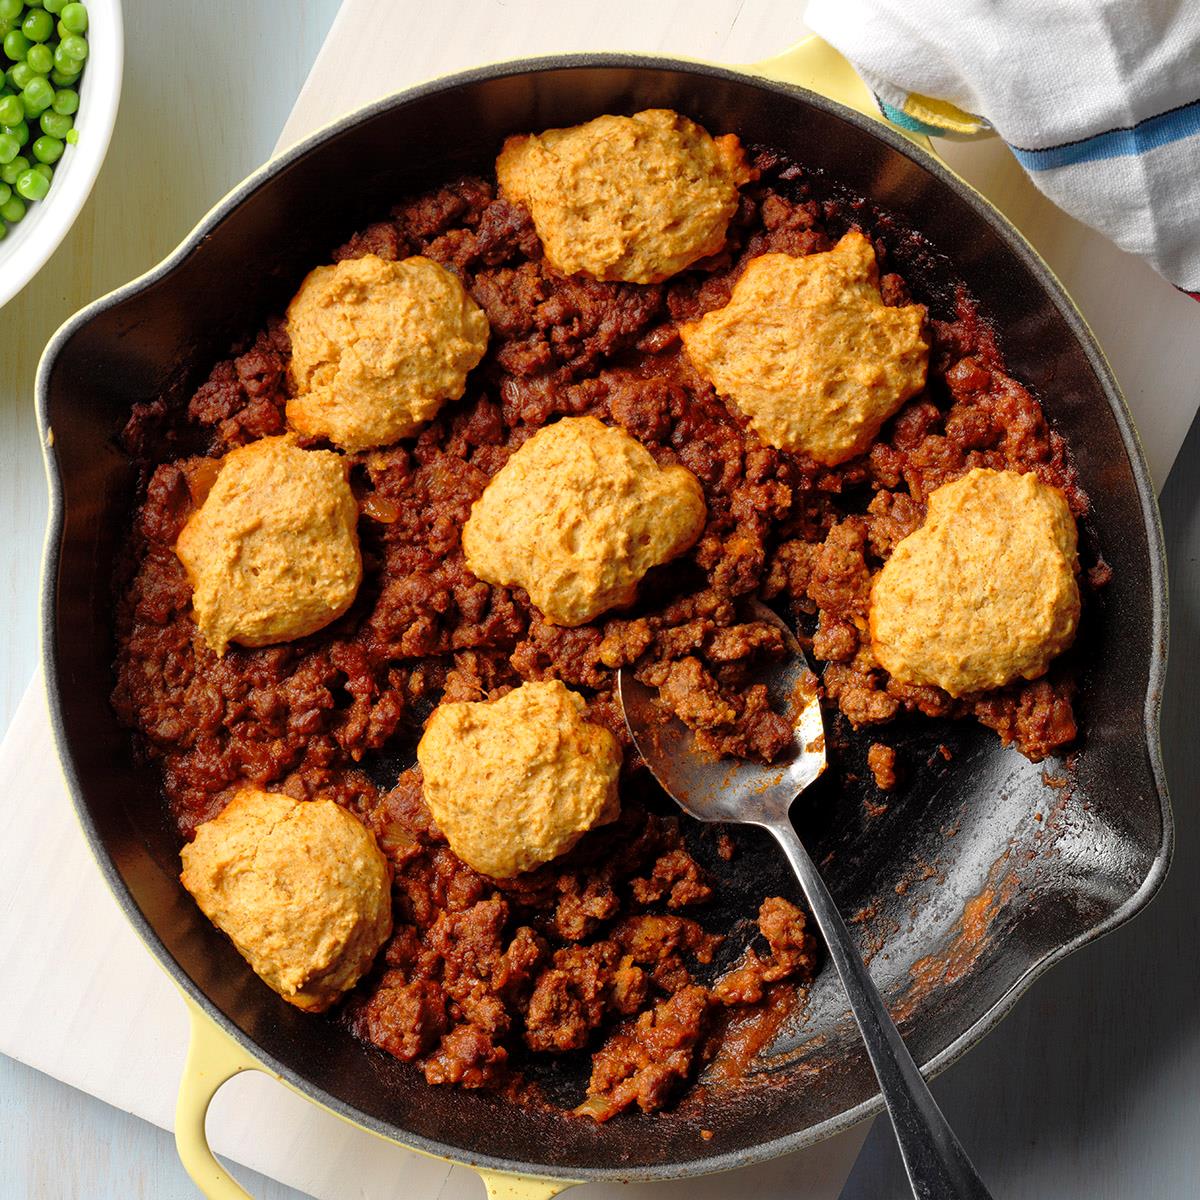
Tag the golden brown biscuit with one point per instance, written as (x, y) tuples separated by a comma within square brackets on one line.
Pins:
[(984, 592), (378, 347), (298, 886), (626, 198), (515, 782), (577, 516), (807, 349), (272, 553)]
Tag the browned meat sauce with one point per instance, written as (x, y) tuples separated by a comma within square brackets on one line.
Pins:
[(590, 951), (881, 760)]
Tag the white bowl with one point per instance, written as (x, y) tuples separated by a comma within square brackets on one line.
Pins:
[(32, 240)]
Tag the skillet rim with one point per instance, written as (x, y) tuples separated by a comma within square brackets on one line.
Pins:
[(1016, 243)]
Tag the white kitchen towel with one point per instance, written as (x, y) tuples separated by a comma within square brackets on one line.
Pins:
[(1098, 99)]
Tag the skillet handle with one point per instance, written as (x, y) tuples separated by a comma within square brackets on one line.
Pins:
[(520, 1187), (213, 1058), (814, 64)]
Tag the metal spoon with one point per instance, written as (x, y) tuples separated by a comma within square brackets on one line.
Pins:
[(756, 794)]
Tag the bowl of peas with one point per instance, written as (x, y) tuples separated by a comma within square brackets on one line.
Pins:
[(60, 84)]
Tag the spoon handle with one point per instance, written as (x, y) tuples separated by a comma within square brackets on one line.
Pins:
[(938, 1167)]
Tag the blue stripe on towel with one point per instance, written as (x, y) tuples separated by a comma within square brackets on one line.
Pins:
[(1173, 126)]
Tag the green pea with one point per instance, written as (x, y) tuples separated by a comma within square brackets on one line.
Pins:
[(3, 231), (10, 170), (41, 59), (43, 169), (10, 110), (5, 192), (48, 149), (38, 25), (9, 148), (64, 62), (20, 74), (32, 186), (55, 124), (63, 78), (10, 10), (66, 101), (74, 46), (54, 6), (13, 209), (6, 27), (72, 136), (75, 17), (31, 109), (38, 95), (16, 45), (20, 131)]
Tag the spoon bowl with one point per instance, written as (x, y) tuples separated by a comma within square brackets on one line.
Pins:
[(728, 789)]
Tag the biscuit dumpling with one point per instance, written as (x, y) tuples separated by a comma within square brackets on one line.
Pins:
[(809, 352), (272, 552), (378, 347), (635, 198), (985, 591), (515, 782), (577, 516), (299, 887)]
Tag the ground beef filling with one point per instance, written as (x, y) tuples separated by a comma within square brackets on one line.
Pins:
[(590, 951)]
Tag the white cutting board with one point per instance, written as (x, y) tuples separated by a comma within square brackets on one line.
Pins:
[(118, 1028)]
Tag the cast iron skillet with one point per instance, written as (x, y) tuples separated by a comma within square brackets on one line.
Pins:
[(979, 875)]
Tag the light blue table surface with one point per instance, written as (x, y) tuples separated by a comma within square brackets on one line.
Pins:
[(1089, 1090)]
